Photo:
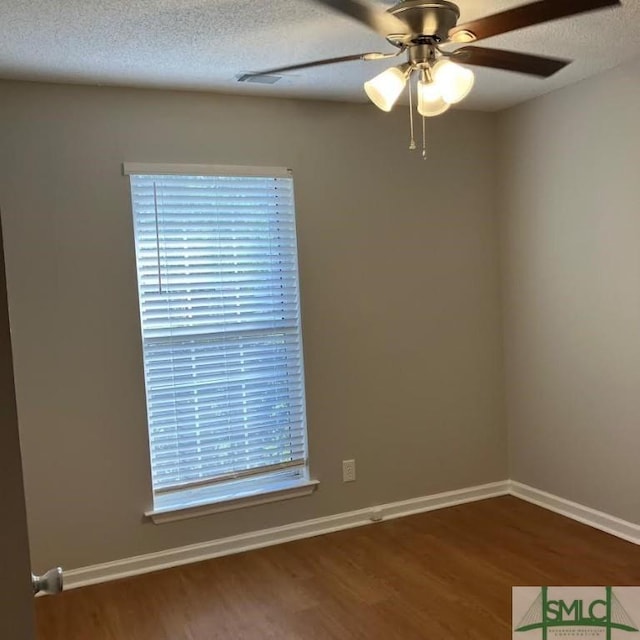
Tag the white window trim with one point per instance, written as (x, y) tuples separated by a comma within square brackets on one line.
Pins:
[(296, 489), (151, 169)]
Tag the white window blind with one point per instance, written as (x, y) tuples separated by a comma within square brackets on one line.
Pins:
[(220, 315)]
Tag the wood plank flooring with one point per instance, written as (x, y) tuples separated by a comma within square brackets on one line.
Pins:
[(443, 575)]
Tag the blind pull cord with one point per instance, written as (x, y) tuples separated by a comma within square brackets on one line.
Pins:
[(155, 205)]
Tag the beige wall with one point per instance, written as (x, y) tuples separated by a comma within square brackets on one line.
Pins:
[(571, 264), (400, 301)]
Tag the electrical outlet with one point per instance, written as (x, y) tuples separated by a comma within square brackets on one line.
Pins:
[(348, 470)]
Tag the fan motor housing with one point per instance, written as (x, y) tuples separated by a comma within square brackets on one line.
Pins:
[(427, 19)]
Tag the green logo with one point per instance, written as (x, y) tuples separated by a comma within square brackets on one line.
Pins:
[(604, 613)]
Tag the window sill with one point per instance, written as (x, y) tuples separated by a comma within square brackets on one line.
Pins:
[(285, 491)]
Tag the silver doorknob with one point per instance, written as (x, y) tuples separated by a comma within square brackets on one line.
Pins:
[(50, 582)]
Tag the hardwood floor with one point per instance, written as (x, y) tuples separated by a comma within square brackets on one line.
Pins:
[(440, 575)]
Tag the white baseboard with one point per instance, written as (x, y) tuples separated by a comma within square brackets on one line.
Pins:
[(597, 519), (319, 526), (225, 546)]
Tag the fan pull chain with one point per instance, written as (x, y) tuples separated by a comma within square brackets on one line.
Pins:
[(424, 138), (412, 142)]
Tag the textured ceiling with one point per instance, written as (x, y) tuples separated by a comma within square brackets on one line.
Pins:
[(204, 44)]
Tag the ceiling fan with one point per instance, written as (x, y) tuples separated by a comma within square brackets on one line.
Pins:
[(421, 29)]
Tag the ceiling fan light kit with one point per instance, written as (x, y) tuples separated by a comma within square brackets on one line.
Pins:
[(423, 30), (439, 86), (430, 100), (385, 89), (454, 81)]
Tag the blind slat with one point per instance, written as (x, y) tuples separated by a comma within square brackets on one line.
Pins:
[(170, 436), (249, 473)]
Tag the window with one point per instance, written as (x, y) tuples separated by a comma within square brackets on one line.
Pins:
[(220, 316)]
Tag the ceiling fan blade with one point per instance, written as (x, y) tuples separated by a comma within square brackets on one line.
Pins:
[(509, 61), (525, 16), (372, 15), (318, 63)]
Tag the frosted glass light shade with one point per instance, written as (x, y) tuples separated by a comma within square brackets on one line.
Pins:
[(385, 89), (430, 100), (455, 82)]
